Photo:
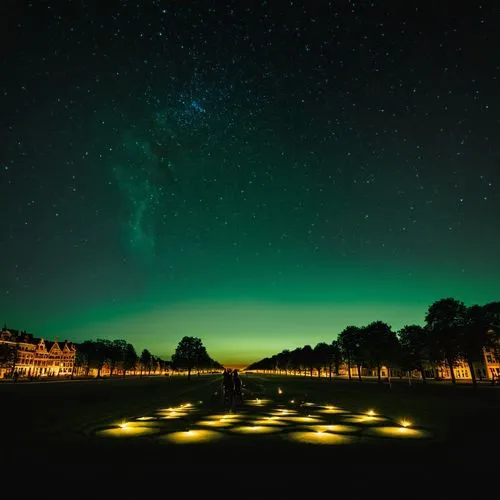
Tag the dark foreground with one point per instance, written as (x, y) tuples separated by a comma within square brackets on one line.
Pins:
[(120, 433)]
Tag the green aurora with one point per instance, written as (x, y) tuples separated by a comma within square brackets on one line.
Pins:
[(262, 194)]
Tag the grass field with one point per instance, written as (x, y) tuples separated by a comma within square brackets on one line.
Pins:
[(303, 424)]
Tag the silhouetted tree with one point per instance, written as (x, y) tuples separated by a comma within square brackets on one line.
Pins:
[(321, 356), (145, 361), (307, 358), (474, 337), (380, 345), (347, 343), (130, 359), (335, 357), (414, 340), (187, 353), (295, 360), (283, 361), (445, 319)]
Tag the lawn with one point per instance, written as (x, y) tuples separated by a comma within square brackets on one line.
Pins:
[(286, 421)]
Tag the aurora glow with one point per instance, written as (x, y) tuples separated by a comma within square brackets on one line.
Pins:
[(260, 186)]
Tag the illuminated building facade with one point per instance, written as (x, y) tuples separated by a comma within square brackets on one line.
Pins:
[(24, 355)]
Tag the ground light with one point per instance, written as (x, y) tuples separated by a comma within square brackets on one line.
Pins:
[(319, 437), (191, 436), (336, 428), (254, 429), (126, 430), (215, 423), (398, 432), (331, 410)]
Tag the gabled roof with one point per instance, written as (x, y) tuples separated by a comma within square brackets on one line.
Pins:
[(54, 346)]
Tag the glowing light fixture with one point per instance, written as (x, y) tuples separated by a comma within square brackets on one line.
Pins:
[(405, 423), (280, 391)]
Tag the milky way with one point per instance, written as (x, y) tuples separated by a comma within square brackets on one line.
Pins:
[(330, 157)]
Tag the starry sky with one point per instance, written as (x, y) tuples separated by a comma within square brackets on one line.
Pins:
[(256, 173)]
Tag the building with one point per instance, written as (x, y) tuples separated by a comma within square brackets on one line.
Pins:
[(27, 356)]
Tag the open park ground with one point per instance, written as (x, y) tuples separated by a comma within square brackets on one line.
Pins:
[(311, 425)]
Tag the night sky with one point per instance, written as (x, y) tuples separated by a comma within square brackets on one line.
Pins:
[(256, 173)]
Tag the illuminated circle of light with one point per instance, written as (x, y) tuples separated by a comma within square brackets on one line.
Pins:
[(191, 436), (173, 415), (302, 420), (127, 431), (362, 419), (398, 432), (224, 416), (283, 412), (269, 421), (255, 429), (214, 423), (331, 410), (336, 428), (323, 438)]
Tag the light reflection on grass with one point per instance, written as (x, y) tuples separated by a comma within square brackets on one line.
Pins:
[(337, 428), (126, 431), (398, 432), (255, 429), (315, 437), (191, 436)]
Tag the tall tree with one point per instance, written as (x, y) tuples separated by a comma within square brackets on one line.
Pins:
[(414, 340), (283, 361), (348, 338), (307, 358), (145, 361), (295, 357), (335, 357), (381, 345), (321, 356), (130, 359), (353, 343), (475, 336), (187, 353), (446, 318)]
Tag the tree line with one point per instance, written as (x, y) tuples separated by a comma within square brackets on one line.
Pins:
[(119, 356), (452, 333)]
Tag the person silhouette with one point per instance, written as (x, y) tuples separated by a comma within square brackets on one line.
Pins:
[(237, 387), (228, 388)]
